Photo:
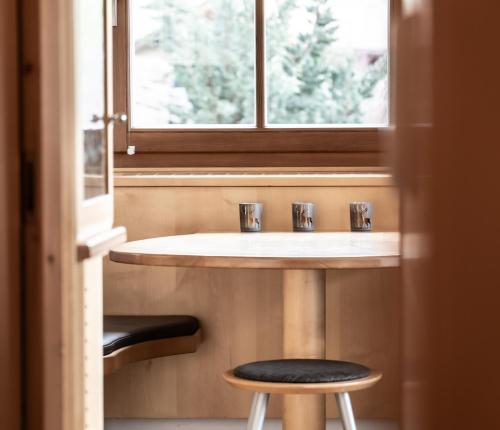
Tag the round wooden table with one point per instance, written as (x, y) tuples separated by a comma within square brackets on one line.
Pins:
[(304, 259)]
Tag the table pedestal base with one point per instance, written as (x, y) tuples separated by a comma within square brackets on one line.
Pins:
[(304, 337)]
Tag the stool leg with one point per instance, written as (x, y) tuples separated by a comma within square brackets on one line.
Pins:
[(345, 410), (258, 411)]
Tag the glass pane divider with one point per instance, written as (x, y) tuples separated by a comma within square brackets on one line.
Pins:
[(260, 62)]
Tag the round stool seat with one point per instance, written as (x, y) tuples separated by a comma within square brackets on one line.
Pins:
[(302, 371), (302, 376)]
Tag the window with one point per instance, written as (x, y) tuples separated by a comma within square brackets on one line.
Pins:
[(248, 77), (192, 63), (326, 62)]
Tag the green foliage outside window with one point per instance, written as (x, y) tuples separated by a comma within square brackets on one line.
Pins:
[(211, 57)]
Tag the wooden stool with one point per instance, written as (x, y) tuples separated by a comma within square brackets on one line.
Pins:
[(128, 339), (301, 376)]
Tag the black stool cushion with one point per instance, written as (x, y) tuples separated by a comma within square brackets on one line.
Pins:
[(121, 331), (304, 371)]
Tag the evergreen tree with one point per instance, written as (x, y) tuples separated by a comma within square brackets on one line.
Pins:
[(307, 83), (211, 55)]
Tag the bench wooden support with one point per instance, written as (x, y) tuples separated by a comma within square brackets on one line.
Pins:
[(151, 349)]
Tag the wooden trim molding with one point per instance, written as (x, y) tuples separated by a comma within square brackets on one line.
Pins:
[(241, 159), (259, 140), (101, 243), (151, 349), (120, 74), (251, 179), (254, 170)]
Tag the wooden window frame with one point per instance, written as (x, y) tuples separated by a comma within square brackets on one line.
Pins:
[(257, 146)]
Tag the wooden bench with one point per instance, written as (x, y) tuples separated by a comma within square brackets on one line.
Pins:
[(128, 339)]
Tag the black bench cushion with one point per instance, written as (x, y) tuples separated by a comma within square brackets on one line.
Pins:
[(305, 371), (121, 331)]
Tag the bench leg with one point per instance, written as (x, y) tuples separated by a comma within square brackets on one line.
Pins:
[(345, 410), (258, 411)]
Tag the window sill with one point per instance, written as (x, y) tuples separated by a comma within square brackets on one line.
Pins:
[(251, 178)]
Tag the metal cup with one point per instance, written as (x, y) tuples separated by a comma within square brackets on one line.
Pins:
[(303, 216), (361, 216), (251, 217)]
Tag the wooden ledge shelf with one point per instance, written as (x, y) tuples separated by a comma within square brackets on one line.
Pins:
[(101, 243), (252, 179)]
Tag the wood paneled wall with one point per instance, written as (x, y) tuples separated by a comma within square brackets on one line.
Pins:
[(10, 288), (447, 135), (241, 310)]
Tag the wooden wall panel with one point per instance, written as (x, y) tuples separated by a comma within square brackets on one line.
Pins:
[(10, 289), (241, 309), (449, 157)]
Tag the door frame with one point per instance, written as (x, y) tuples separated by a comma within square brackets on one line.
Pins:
[(10, 282), (53, 388)]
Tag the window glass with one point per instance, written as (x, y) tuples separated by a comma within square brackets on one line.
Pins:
[(327, 62), (192, 63), (90, 89)]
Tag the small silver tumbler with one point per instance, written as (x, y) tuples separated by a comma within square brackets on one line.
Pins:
[(251, 217), (303, 216), (361, 216)]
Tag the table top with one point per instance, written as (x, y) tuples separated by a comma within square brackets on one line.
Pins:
[(320, 250)]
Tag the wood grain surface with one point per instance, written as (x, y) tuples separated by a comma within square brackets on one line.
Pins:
[(241, 309), (304, 337), (322, 250)]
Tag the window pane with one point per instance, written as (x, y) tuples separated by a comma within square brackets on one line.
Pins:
[(192, 63), (327, 62), (90, 92)]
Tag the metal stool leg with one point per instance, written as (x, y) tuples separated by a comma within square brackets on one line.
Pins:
[(258, 411), (345, 409)]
